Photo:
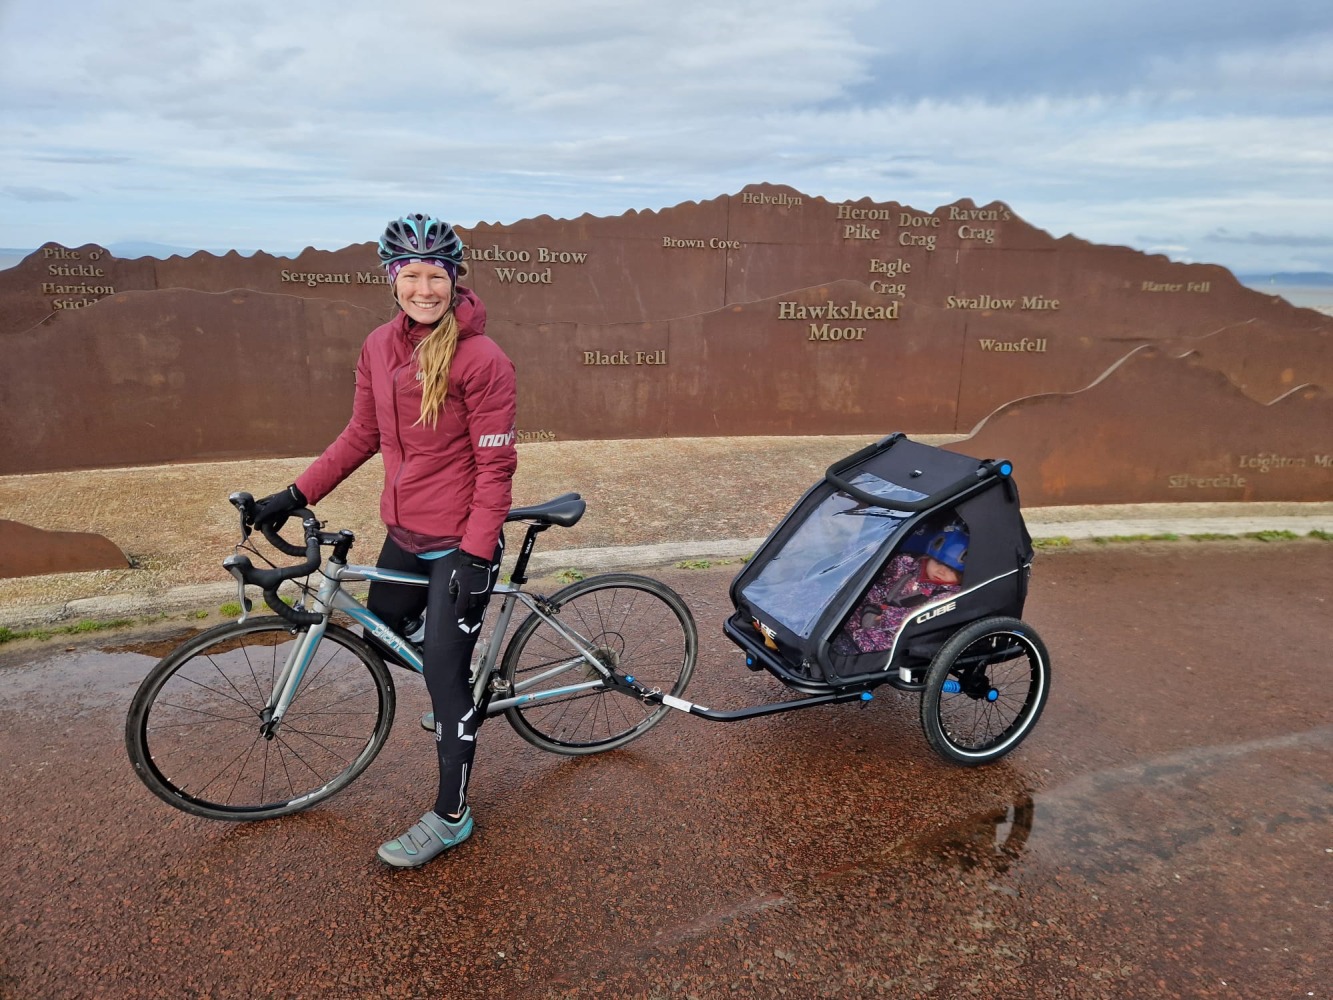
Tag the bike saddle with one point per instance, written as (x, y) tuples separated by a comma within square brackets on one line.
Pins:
[(565, 511)]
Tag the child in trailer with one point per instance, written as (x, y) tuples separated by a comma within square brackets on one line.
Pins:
[(926, 567)]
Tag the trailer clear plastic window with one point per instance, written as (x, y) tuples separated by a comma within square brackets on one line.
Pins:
[(838, 538)]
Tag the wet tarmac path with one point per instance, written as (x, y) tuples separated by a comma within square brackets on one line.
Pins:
[(1166, 830)]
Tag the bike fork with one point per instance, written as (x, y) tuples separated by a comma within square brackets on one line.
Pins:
[(289, 679)]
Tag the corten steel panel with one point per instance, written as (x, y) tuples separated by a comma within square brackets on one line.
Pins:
[(1162, 429), (352, 273), (744, 368), (779, 214), (759, 214), (55, 281), (614, 270), (760, 373), (585, 382), (179, 375), (791, 246), (1264, 358), (27, 296), (607, 271), (646, 324), (29, 551)]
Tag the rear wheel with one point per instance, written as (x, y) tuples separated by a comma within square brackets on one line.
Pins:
[(197, 733), (985, 690), (635, 626)]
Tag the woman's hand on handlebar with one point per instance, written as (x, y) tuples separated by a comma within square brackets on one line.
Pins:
[(272, 511)]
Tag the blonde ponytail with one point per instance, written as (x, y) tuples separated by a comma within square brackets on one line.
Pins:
[(435, 355)]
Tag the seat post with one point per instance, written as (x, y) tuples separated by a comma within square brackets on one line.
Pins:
[(519, 576)]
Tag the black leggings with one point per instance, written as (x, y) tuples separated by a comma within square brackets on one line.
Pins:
[(447, 652)]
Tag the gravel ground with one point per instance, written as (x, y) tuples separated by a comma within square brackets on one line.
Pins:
[(176, 527), (1164, 833)]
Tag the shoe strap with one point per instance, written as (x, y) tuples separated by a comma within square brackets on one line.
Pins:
[(434, 823)]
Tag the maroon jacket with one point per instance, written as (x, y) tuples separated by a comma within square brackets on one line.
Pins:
[(449, 482)]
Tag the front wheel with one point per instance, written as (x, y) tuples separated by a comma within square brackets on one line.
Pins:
[(985, 690), (633, 625), (199, 735)]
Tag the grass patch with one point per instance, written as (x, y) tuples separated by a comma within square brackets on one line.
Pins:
[(230, 610), (78, 628), (709, 563), (571, 575), (1272, 536), (1056, 542), (91, 626), (1113, 539), (1061, 542)]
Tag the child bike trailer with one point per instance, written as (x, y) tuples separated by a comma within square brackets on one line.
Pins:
[(905, 565)]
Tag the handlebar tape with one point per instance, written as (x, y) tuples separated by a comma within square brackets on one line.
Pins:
[(294, 616), (268, 580), (307, 517)]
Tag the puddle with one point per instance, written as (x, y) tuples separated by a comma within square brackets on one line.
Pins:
[(86, 675), (156, 647), (993, 839)]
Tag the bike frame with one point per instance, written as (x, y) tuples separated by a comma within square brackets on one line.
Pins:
[(331, 596)]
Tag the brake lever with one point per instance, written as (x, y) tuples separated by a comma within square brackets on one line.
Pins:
[(245, 503), (235, 570)]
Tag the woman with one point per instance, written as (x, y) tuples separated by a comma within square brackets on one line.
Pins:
[(436, 396)]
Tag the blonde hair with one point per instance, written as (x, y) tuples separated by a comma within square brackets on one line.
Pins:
[(435, 355)]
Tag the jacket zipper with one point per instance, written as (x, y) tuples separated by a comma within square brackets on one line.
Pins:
[(398, 436)]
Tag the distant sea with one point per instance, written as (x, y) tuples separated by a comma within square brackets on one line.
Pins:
[(1309, 296), (1311, 290)]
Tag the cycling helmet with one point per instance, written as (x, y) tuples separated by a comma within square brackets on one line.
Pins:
[(949, 547), (915, 543), (420, 237)]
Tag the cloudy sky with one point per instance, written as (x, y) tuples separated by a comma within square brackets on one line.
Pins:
[(1202, 129)]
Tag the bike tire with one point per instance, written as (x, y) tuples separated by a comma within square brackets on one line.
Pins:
[(998, 676), (638, 626), (194, 736)]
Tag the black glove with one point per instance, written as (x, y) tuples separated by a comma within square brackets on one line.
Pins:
[(470, 586), (272, 511)]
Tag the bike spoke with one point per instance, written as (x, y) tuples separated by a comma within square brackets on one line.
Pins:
[(196, 741)]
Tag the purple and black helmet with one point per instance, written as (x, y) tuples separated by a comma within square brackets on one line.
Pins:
[(420, 237)]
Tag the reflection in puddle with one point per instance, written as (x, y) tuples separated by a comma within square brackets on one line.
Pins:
[(157, 647), (993, 839)]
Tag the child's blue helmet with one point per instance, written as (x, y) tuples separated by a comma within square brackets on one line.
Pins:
[(949, 547)]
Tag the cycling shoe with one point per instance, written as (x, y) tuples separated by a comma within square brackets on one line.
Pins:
[(426, 839)]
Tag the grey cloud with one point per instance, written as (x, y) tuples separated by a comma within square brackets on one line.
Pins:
[(1028, 47), (37, 194), (1269, 239), (1101, 120), (80, 159)]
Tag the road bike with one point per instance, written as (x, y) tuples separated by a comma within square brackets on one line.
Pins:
[(266, 716)]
